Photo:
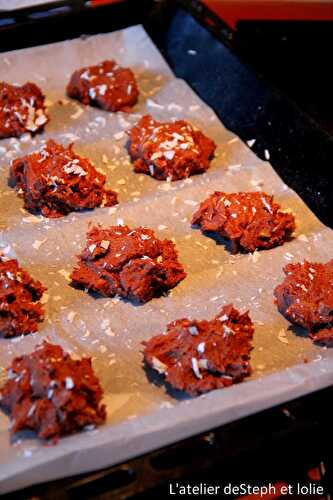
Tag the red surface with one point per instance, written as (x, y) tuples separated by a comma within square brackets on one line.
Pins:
[(104, 2), (232, 11)]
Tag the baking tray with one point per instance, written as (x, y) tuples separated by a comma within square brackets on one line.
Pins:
[(159, 430), (249, 105)]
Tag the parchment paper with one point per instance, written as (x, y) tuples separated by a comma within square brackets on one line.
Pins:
[(141, 415)]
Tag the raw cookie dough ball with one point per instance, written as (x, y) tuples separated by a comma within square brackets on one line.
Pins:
[(22, 109), (197, 356), (106, 85), (305, 298), (20, 309), (173, 150), (251, 221), (132, 263), (55, 181), (52, 394)]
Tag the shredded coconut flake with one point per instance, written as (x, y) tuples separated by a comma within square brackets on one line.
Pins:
[(158, 365), (118, 136), (195, 368), (282, 337), (69, 384), (266, 204), (38, 243), (193, 330), (169, 155), (71, 315), (105, 244), (153, 104), (201, 347)]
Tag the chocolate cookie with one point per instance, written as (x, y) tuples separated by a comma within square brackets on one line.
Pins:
[(52, 394), (199, 356), (172, 150), (20, 310), (131, 263), (250, 221), (22, 109), (106, 86), (305, 298), (56, 181)]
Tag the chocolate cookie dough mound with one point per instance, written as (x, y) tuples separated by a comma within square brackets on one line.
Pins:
[(305, 298), (131, 263), (106, 86), (20, 310), (199, 356), (171, 151), (250, 221), (22, 109), (55, 181), (52, 394)]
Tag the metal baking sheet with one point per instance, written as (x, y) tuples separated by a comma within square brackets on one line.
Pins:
[(141, 415)]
